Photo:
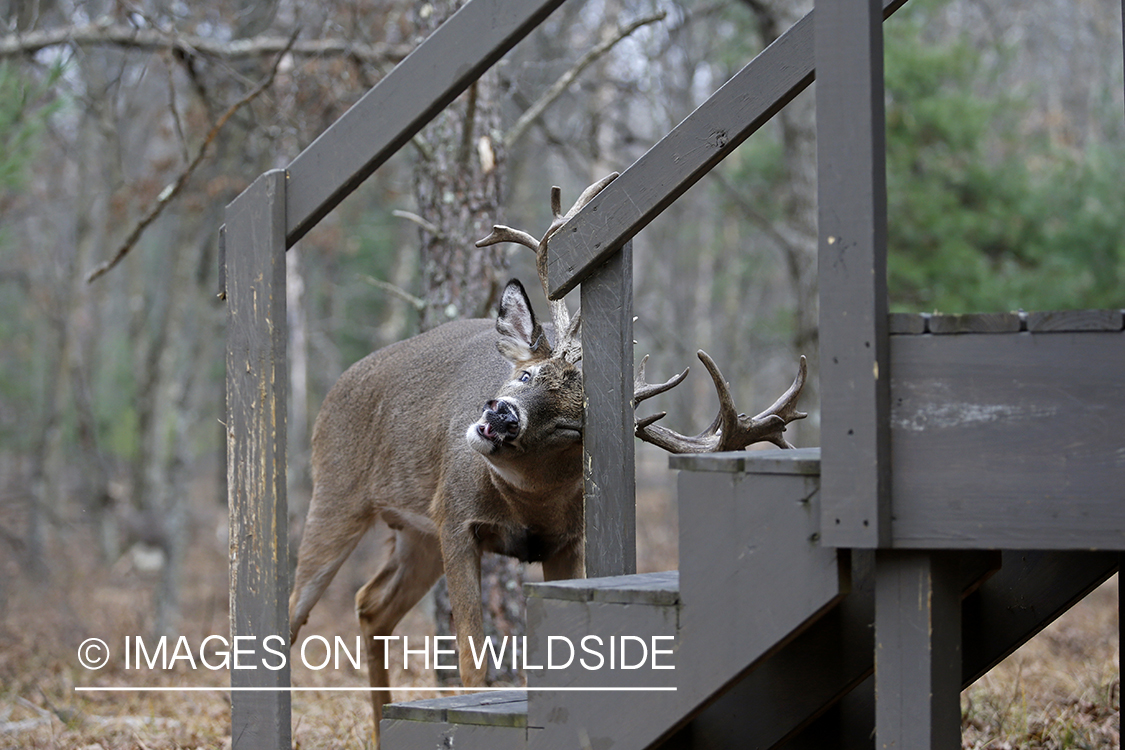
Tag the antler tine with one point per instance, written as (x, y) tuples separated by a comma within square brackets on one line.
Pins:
[(501, 233), (586, 196), (786, 405), (643, 390), (589, 193), (657, 435), (726, 423)]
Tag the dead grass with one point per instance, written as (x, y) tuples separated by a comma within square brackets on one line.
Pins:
[(1061, 691)]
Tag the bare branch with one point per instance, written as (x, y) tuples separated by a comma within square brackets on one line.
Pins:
[(172, 190), (535, 111), (416, 302), (177, 121), (416, 219), (117, 35)]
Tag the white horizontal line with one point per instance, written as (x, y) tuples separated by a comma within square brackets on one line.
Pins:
[(303, 689)]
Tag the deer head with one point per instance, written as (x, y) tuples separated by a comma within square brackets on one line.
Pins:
[(729, 431), (540, 406)]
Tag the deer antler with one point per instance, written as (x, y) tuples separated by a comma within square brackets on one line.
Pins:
[(566, 330), (730, 430)]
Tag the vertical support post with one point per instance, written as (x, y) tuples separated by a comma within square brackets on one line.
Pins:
[(917, 650), (607, 444), (256, 432), (852, 196)]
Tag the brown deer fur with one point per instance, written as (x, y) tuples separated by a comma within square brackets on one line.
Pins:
[(466, 438)]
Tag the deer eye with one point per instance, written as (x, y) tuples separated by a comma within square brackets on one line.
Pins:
[(525, 376)]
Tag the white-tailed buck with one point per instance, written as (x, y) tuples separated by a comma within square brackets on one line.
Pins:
[(466, 439)]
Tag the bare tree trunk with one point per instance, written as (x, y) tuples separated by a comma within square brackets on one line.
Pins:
[(457, 189)]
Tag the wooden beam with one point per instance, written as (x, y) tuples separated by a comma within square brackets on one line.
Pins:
[(707, 136), (401, 104), (917, 650), (256, 430), (852, 197), (607, 445)]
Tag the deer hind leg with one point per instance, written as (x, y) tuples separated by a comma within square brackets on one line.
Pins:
[(334, 526), (410, 570)]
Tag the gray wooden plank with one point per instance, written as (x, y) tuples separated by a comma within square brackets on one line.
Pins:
[(400, 105), (607, 441), (852, 209), (917, 650), (796, 461), (576, 719), (976, 323), (737, 533), (1075, 320), (908, 323), (412, 735), (257, 378), (502, 708), (639, 588), (1009, 441), (704, 138)]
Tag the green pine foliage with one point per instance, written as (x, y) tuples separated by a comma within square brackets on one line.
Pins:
[(984, 212)]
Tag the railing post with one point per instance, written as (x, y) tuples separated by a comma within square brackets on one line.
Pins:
[(608, 449), (852, 268), (256, 439)]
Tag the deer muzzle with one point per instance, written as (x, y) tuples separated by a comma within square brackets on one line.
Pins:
[(499, 423)]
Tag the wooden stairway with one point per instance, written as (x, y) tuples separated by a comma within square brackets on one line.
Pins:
[(773, 632)]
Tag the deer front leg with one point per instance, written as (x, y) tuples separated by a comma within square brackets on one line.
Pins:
[(462, 574)]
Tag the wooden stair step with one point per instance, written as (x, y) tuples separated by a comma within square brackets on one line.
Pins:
[(497, 708), (492, 720), (658, 589)]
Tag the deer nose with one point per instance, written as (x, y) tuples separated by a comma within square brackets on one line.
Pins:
[(503, 416)]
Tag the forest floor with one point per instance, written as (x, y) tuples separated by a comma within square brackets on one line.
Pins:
[(1061, 690)]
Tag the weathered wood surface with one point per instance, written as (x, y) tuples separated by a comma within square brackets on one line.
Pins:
[(738, 533), (639, 588), (600, 719), (852, 209), (917, 650), (501, 708), (778, 701), (1075, 320), (977, 323), (908, 323), (401, 104), (1048, 321), (607, 443), (704, 138), (738, 529), (1009, 441), (804, 461), (256, 423), (414, 735)]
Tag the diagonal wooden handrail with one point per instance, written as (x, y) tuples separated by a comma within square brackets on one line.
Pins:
[(395, 109), (666, 171)]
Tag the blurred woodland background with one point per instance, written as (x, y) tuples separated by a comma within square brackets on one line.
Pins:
[(126, 126)]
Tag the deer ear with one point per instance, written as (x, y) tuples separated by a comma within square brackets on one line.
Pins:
[(522, 336)]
